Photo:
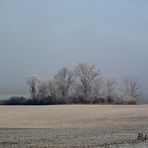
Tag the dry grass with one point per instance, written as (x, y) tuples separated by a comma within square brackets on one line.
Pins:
[(76, 126), (72, 116)]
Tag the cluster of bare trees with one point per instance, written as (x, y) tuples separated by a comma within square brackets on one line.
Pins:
[(82, 85)]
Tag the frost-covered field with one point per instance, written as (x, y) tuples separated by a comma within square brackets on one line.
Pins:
[(73, 126)]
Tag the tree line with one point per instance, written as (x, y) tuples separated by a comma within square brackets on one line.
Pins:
[(82, 85)]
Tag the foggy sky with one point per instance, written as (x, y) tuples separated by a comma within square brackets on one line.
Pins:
[(42, 36)]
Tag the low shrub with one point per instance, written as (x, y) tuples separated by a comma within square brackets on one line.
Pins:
[(128, 100), (13, 101)]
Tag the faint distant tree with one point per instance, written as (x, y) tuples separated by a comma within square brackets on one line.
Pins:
[(110, 89), (132, 88), (42, 89), (51, 88), (52, 92), (63, 81), (97, 88), (32, 82), (88, 81)]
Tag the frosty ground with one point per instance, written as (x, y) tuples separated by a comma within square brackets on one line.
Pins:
[(73, 126)]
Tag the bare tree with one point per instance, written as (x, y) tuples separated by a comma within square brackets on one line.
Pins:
[(63, 80), (52, 91), (32, 82), (110, 89), (88, 80), (42, 89), (132, 88)]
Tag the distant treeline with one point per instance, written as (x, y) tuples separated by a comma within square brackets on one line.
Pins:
[(83, 85)]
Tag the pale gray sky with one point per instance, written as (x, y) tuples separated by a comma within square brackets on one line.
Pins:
[(42, 36)]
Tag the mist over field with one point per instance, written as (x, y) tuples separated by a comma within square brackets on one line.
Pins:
[(41, 37), (73, 73)]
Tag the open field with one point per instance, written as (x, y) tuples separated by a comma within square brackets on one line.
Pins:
[(73, 126)]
